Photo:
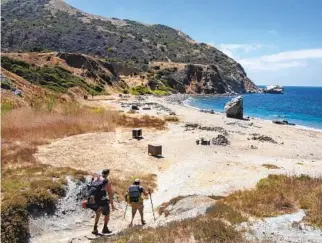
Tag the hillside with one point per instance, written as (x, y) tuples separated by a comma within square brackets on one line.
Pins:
[(52, 25)]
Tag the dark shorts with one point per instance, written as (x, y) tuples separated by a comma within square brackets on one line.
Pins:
[(106, 209), (103, 205)]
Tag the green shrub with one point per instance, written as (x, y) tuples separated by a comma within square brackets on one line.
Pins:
[(55, 78), (14, 220), (6, 84), (159, 92), (6, 107), (140, 90)]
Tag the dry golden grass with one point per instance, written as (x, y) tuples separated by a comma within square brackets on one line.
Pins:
[(222, 211), (204, 228), (141, 121), (171, 119), (28, 125), (280, 194), (270, 166)]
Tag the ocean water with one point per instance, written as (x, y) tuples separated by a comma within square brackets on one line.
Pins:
[(299, 105)]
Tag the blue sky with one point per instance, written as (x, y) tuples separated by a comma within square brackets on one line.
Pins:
[(276, 41)]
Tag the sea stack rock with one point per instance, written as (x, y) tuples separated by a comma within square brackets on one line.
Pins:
[(234, 108), (274, 89)]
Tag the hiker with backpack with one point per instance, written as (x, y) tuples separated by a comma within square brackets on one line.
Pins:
[(135, 199), (100, 195)]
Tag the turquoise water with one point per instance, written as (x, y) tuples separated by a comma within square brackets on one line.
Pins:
[(299, 105)]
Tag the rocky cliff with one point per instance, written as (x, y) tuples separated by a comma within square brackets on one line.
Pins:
[(42, 25)]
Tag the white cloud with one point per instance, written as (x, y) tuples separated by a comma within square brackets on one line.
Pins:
[(243, 47), (282, 60), (232, 50)]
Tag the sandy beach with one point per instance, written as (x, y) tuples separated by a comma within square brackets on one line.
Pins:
[(187, 168)]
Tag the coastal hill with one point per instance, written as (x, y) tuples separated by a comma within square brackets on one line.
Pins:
[(53, 25)]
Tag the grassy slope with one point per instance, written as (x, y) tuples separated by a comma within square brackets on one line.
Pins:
[(54, 78)]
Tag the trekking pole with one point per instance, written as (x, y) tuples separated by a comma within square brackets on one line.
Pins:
[(125, 210), (152, 205)]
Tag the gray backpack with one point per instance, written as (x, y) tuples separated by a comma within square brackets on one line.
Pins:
[(134, 193)]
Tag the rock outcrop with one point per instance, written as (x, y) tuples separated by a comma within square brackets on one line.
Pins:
[(234, 108), (284, 122), (188, 207), (208, 79), (274, 89)]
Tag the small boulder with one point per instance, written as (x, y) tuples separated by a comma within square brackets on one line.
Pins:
[(135, 107), (284, 122), (18, 92), (234, 108), (146, 108), (220, 140), (184, 207)]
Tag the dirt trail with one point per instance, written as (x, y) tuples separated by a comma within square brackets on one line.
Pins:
[(187, 168)]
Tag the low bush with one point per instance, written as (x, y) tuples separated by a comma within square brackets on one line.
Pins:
[(270, 166), (6, 106), (171, 119), (142, 90)]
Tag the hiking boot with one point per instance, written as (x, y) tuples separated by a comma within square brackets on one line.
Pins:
[(143, 222), (95, 231), (106, 230)]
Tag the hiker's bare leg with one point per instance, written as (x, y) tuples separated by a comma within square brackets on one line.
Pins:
[(106, 219), (133, 214), (141, 213), (97, 216)]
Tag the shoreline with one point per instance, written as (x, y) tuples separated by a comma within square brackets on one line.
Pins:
[(298, 126)]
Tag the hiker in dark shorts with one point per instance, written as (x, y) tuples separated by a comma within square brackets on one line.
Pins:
[(101, 203), (134, 197)]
